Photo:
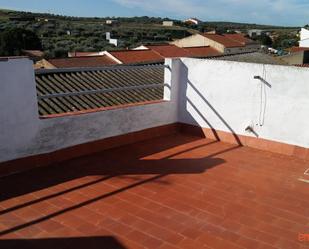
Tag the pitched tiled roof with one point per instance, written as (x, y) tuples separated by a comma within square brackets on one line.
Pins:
[(68, 81), (201, 52), (33, 53), (169, 51), (90, 61), (80, 54), (225, 40), (297, 49), (239, 38), (252, 57), (137, 56), (302, 65)]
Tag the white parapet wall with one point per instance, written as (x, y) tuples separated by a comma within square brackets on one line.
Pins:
[(224, 95), (24, 134)]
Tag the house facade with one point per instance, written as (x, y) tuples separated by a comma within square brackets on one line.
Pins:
[(304, 38), (225, 43)]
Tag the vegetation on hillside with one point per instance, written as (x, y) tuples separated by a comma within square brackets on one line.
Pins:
[(60, 34), (14, 40), (284, 40)]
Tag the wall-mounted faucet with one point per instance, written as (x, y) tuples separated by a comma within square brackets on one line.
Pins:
[(250, 129), (257, 77)]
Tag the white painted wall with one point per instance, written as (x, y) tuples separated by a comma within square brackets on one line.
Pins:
[(24, 134), (304, 38), (225, 95), (18, 105), (168, 23), (207, 93), (304, 43)]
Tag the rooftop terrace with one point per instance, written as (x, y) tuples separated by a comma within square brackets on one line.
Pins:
[(176, 191), (220, 161)]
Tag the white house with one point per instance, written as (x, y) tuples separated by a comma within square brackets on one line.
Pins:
[(111, 22), (224, 43), (168, 23), (304, 38), (194, 21), (111, 41)]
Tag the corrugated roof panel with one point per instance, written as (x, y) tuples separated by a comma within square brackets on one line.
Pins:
[(73, 81)]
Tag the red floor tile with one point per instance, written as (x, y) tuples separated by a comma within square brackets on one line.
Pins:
[(171, 192)]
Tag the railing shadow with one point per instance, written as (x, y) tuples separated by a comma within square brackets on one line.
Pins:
[(42, 178), (109, 164), (59, 243)]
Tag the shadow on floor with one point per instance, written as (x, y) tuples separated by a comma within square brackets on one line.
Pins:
[(126, 160), (63, 243), (176, 155)]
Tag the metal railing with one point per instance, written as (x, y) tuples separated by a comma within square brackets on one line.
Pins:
[(92, 69), (118, 68), (106, 90)]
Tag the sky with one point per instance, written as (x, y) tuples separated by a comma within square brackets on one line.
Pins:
[(275, 12)]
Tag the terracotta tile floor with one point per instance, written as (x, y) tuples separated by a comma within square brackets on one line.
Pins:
[(172, 192)]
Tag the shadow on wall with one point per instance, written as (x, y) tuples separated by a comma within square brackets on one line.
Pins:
[(68, 243), (185, 102)]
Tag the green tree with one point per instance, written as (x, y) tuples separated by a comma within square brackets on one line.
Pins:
[(14, 40), (60, 53), (265, 40), (285, 41)]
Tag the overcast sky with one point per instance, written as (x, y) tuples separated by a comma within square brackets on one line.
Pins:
[(279, 12)]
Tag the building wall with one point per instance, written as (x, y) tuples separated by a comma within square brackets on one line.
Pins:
[(24, 134), (43, 64), (294, 58), (246, 49), (199, 41), (255, 32), (220, 95), (224, 95), (304, 43), (304, 38), (168, 23), (215, 45), (194, 41)]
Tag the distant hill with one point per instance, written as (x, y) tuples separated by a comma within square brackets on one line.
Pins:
[(60, 34), (6, 14), (236, 25)]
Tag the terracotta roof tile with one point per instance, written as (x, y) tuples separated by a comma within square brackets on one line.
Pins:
[(80, 54), (302, 65), (202, 51), (169, 51), (137, 56), (239, 38), (90, 61), (297, 49), (33, 53), (225, 40)]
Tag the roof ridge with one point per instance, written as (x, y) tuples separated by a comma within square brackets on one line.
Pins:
[(199, 47), (79, 57), (130, 50)]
